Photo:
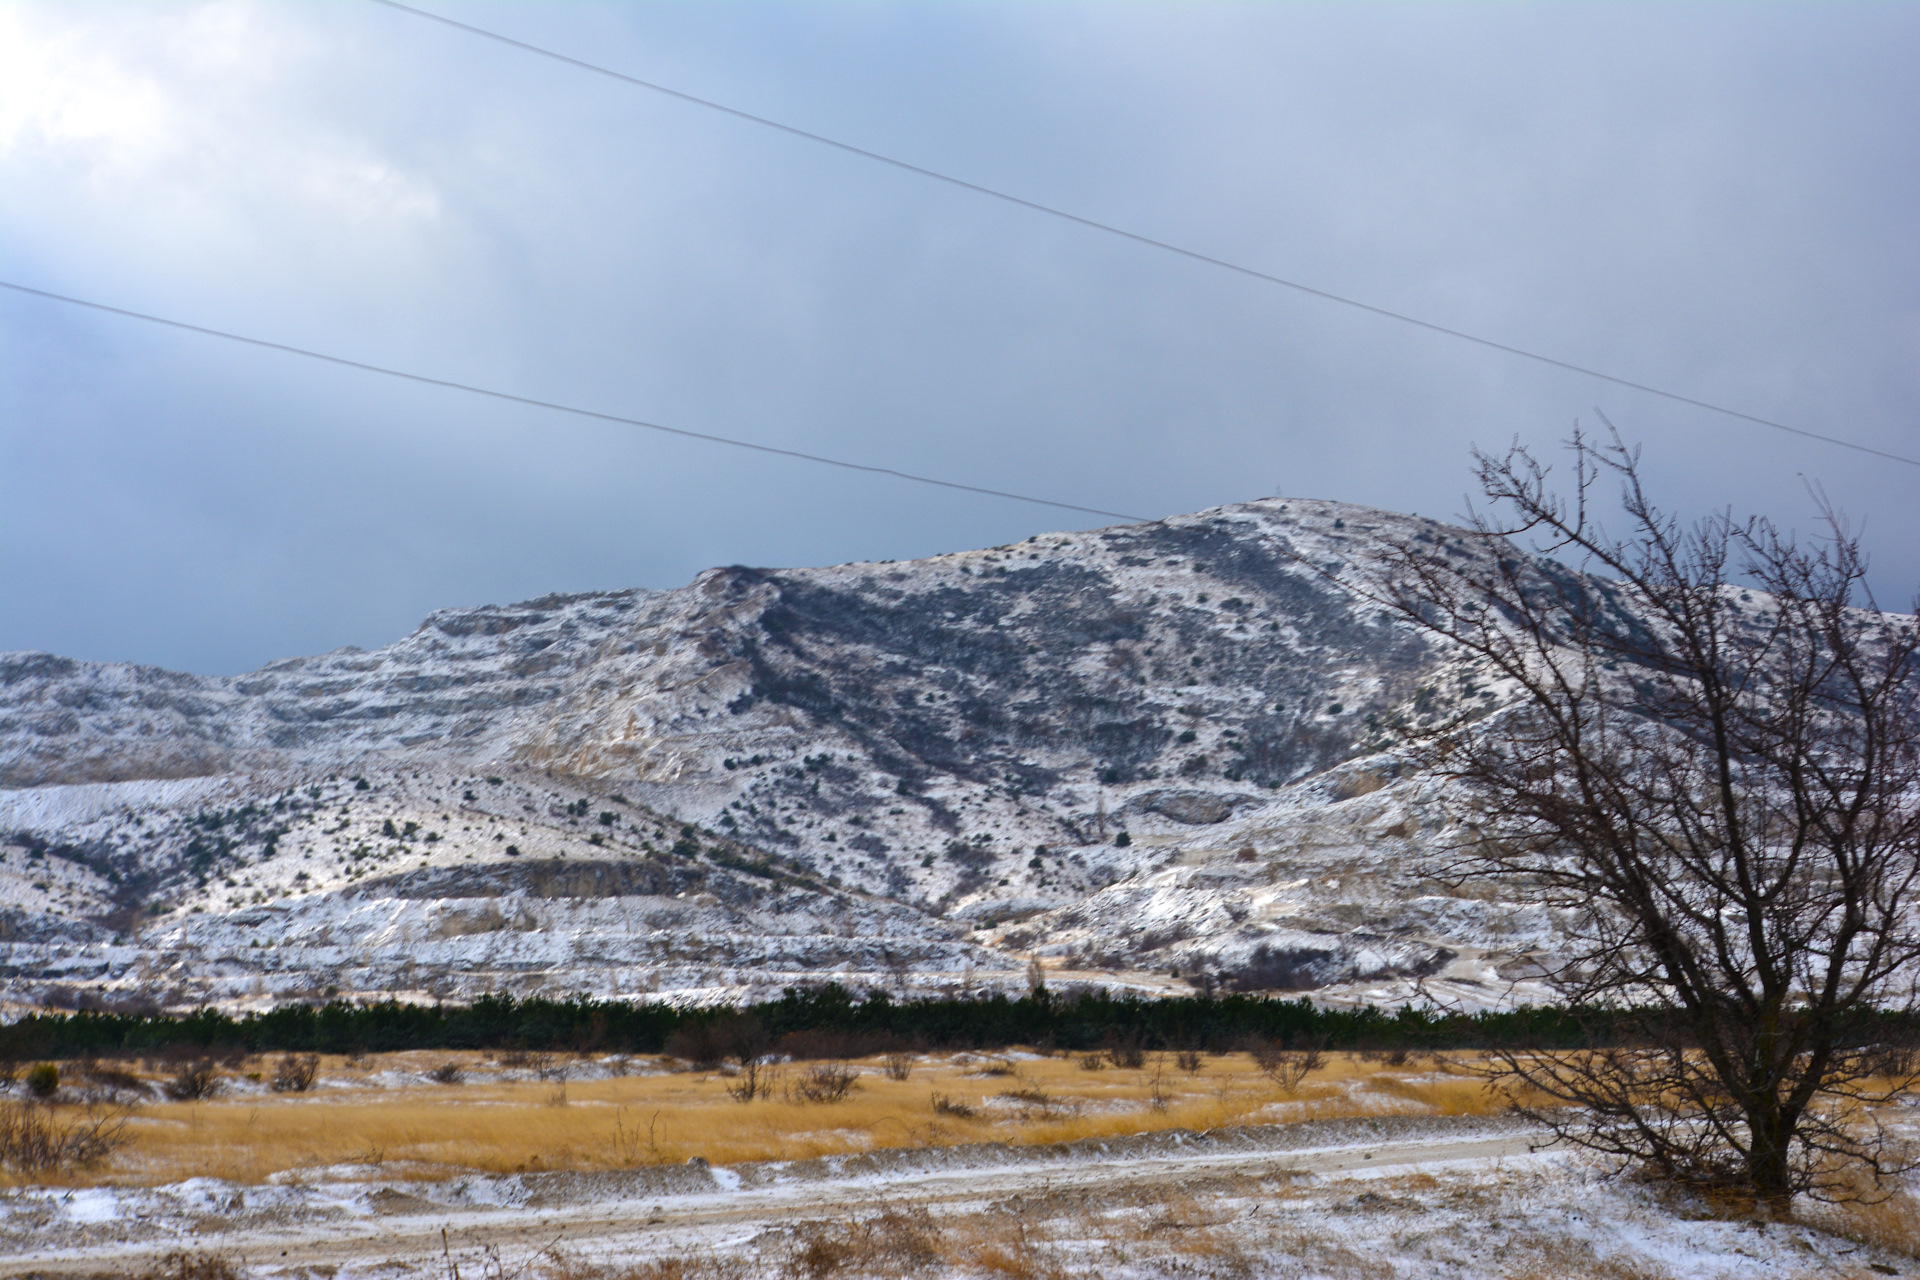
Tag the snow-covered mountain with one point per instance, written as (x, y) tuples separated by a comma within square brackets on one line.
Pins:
[(1148, 754)]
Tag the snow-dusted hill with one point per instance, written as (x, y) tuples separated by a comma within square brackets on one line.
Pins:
[(1148, 754)]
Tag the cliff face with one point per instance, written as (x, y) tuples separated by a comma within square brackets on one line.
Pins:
[(948, 749)]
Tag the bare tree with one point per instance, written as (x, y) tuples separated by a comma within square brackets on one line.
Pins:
[(1708, 763)]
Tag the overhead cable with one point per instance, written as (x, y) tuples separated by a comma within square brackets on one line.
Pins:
[(619, 419), (1137, 238)]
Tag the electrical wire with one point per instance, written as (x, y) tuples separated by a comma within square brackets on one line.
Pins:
[(619, 419), (1138, 238)]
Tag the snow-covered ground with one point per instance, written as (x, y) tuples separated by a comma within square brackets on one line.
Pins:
[(1151, 755), (1357, 1200)]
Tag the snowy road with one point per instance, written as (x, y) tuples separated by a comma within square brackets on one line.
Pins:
[(655, 1213)]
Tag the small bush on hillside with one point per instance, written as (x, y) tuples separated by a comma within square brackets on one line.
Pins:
[(755, 1079), (1285, 1067), (34, 1141), (1123, 1049), (296, 1074), (195, 1081), (43, 1080), (108, 1083), (824, 1082)]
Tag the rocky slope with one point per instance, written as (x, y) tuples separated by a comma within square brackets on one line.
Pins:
[(1146, 754)]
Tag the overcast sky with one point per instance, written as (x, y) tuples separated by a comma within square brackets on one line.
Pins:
[(1720, 200)]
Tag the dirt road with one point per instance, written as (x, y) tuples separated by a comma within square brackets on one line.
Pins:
[(329, 1228)]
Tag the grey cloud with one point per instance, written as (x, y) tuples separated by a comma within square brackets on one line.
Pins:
[(1715, 199)]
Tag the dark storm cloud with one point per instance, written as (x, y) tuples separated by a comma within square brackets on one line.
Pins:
[(1712, 199)]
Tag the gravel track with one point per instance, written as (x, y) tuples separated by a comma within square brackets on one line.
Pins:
[(661, 1211)]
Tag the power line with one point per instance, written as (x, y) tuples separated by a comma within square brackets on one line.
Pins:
[(1137, 238), (563, 408)]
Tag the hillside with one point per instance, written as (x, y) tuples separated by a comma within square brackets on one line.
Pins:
[(1148, 754)]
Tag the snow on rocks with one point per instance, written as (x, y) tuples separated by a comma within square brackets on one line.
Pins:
[(1149, 754)]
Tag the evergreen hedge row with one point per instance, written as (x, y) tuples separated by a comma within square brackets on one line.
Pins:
[(1082, 1021)]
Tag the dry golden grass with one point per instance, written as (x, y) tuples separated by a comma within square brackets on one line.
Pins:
[(1892, 1224), (382, 1111)]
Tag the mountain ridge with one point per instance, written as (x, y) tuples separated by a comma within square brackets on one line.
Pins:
[(989, 741)]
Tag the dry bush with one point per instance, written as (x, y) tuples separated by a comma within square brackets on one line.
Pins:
[(109, 1083), (296, 1073), (892, 1242), (1285, 1067), (997, 1067), (1003, 1244), (1124, 1050), (630, 1146), (1157, 1096), (946, 1106), (696, 1045), (448, 1072), (897, 1066), (705, 1045), (823, 1082), (181, 1265), (43, 1080), (755, 1079), (1189, 1061), (1092, 1062), (195, 1081), (34, 1140), (173, 1056)]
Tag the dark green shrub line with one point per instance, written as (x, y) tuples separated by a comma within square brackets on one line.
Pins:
[(820, 1017)]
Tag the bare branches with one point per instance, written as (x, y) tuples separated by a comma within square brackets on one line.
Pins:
[(1711, 767), (37, 1138)]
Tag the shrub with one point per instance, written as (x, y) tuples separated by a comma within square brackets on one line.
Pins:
[(43, 1080), (296, 1074), (1285, 1067), (754, 1080), (32, 1140), (108, 1082), (446, 1073), (1123, 1049), (824, 1082), (946, 1106), (898, 1066), (195, 1081), (895, 1242)]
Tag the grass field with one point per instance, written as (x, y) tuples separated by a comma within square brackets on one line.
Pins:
[(601, 1112)]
